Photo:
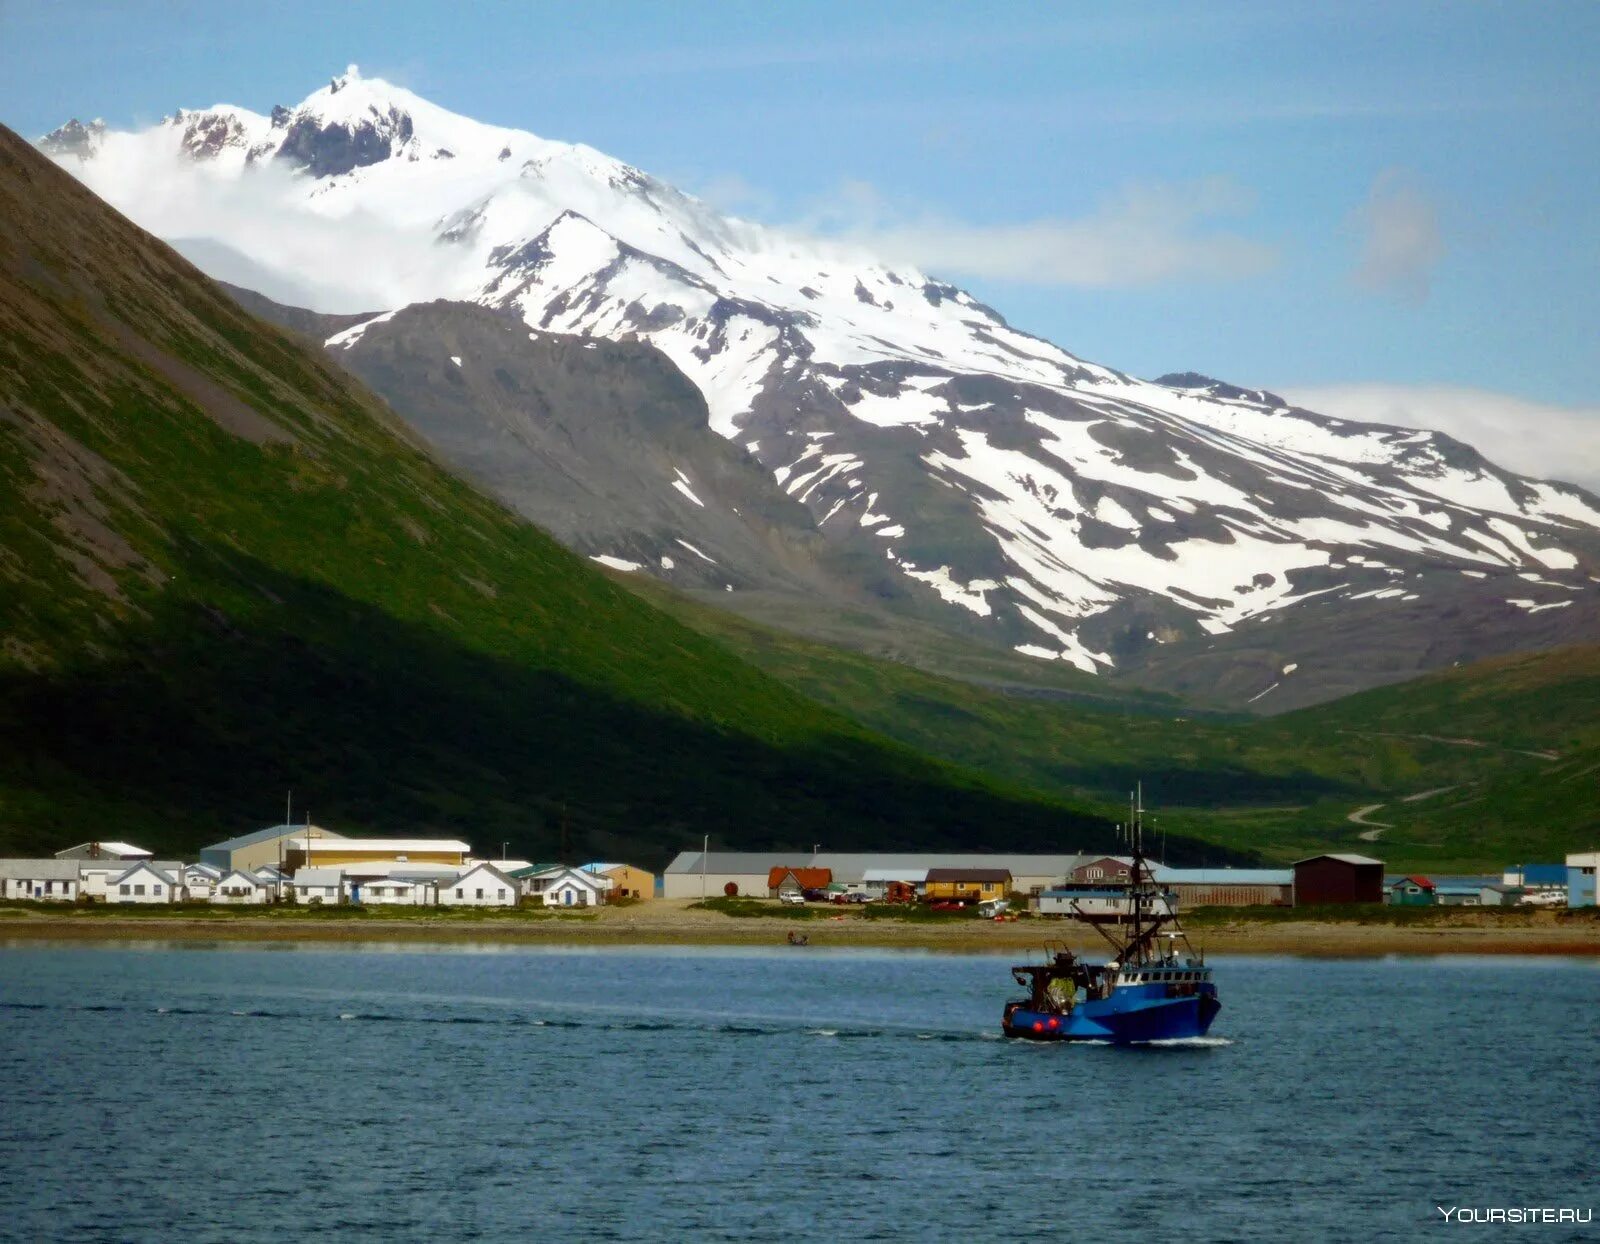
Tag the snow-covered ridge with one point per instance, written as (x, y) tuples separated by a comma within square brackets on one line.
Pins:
[(1013, 488)]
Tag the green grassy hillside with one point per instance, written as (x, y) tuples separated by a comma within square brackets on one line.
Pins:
[(226, 570), (1509, 737)]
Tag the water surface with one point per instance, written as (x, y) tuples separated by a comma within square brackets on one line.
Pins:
[(245, 1093)]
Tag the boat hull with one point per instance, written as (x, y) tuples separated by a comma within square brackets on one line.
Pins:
[(1128, 1017)]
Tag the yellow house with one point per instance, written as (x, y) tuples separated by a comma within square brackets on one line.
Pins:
[(626, 880), (970, 885)]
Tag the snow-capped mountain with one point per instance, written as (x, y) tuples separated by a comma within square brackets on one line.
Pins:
[(971, 473)]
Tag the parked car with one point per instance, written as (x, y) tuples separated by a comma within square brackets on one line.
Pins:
[(793, 896), (947, 904), (816, 896), (858, 896)]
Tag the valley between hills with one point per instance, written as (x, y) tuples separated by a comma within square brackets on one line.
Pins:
[(230, 568)]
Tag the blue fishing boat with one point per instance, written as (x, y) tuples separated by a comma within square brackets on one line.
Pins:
[(1154, 987)]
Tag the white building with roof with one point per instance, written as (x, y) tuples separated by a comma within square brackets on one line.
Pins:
[(53, 880), (201, 879), (319, 887), (481, 885), (563, 886), (240, 888), (97, 877), (398, 890), (145, 883), (104, 851)]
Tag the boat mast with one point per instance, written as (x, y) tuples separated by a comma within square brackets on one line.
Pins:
[(1136, 846)]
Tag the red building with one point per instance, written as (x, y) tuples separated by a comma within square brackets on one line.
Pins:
[(1337, 879)]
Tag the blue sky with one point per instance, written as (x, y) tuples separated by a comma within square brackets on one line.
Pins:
[(1289, 195)]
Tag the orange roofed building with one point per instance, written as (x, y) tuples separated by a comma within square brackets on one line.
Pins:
[(782, 880)]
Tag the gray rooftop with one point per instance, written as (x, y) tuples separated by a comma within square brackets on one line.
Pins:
[(319, 876), (268, 834), (1342, 858), (1221, 876), (44, 870)]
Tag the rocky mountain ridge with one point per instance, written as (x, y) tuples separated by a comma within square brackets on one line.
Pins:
[(949, 467)]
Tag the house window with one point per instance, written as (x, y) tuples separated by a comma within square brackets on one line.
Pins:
[(500, 893), (461, 894), (1096, 873), (155, 889), (138, 889)]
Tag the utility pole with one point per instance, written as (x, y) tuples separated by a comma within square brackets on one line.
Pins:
[(705, 849)]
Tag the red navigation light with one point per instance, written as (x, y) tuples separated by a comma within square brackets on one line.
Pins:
[(1037, 1026), (1054, 1022)]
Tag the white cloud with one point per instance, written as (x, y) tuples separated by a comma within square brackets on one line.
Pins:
[(1400, 240), (1531, 438), (256, 229), (1144, 235)]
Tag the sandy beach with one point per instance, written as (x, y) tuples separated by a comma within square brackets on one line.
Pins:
[(677, 922)]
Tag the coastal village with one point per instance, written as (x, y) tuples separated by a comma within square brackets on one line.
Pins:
[(311, 866)]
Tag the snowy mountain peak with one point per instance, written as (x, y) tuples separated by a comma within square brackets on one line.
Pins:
[(967, 472)]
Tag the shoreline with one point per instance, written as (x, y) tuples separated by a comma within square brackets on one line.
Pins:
[(669, 923)]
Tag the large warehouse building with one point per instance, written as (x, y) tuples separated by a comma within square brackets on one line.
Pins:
[(261, 846), (693, 874)]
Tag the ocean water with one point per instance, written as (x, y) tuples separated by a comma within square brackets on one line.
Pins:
[(156, 1092)]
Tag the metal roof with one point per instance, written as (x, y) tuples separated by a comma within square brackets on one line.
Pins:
[(109, 850), (1343, 859), (915, 876), (253, 878), (319, 877), (483, 868), (268, 834), (559, 870), (1221, 876), (386, 846), (146, 866), (39, 870), (1542, 874)]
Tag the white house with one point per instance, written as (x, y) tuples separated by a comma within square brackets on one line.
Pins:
[(239, 888), (145, 883), (393, 889), (97, 878), (566, 887), (319, 886), (54, 880), (201, 879), (482, 885)]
